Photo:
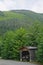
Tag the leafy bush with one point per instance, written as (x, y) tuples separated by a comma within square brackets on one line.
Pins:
[(11, 44)]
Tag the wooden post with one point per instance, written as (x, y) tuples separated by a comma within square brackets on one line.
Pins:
[(30, 55), (20, 55)]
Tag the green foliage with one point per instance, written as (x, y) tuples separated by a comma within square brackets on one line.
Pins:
[(0, 44), (40, 48), (18, 29), (12, 20), (7, 48), (33, 34), (12, 42), (40, 53)]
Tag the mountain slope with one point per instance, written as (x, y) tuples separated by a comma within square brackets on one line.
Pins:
[(12, 20)]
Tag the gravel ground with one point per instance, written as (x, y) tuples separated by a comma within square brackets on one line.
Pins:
[(10, 62)]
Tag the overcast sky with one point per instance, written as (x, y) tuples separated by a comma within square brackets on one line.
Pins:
[(34, 5)]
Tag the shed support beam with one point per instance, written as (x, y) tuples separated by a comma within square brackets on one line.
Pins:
[(20, 55)]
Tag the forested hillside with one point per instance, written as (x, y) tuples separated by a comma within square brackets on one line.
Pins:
[(20, 28), (12, 20)]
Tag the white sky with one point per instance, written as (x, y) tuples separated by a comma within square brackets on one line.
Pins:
[(34, 5)]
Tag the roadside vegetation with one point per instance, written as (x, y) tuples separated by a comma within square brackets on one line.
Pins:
[(12, 41), (18, 29)]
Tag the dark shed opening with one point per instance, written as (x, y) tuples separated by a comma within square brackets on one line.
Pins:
[(25, 56)]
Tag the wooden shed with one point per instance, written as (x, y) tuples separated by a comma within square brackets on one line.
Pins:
[(28, 53)]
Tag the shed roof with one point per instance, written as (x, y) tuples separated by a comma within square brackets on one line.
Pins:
[(28, 47)]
